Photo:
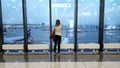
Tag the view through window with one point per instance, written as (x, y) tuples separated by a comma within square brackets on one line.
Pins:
[(88, 21), (64, 11), (12, 21), (38, 21), (112, 21), (39, 24)]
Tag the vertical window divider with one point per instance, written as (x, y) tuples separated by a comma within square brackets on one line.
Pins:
[(101, 24), (50, 12), (1, 28), (75, 25), (25, 25)]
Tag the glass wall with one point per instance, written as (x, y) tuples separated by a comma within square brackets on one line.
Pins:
[(88, 21), (112, 21), (64, 11), (38, 21), (12, 21)]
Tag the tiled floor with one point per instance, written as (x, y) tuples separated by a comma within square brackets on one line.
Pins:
[(63, 60), (61, 65)]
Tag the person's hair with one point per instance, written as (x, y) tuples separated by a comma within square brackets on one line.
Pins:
[(57, 22)]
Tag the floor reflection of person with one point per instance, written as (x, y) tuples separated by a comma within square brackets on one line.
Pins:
[(57, 37), (57, 62), (56, 58)]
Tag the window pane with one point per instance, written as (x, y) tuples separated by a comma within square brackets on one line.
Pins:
[(12, 21), (38, 21), (88, 21), (64, 11), (112, 21)]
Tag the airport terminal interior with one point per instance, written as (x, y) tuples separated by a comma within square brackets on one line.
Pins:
[(90, 33)]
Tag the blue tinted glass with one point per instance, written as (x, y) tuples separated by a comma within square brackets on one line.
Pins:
[(12, 21), (112, 21), (38, 21), (88, 21), (64, 11)]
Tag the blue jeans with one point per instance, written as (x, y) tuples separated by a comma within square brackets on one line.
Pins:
[(57, 40)]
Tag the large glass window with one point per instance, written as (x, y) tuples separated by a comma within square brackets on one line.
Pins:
[(12, 21), (112, 21), (38, 21), (64, 11), (88, 21)]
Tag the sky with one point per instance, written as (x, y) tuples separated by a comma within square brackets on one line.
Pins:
[(38, 11)]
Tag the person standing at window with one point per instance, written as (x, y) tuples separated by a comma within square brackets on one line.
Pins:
[(58, 34)]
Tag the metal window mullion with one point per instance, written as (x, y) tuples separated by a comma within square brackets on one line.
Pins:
[(1, 27), (50, 12), (25, 25), (75, 25), (101, 24)]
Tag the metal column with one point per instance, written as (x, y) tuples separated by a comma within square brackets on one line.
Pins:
[(25, 25), (50, 12), (1, 28), (101, 24), (75, 25)]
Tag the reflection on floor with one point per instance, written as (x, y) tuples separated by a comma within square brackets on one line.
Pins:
[(63, 60)]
